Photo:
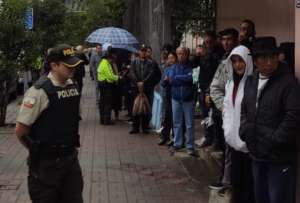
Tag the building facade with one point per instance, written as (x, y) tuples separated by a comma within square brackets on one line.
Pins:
[(150, 22)]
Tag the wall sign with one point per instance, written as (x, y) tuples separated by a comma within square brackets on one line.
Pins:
[(29, 19)]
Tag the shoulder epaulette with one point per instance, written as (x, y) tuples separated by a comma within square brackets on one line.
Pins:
[(41, 82)]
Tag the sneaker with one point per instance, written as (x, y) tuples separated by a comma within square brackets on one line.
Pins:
[(174, 149), (204, 143), (216, 186), (159, 130), (146, 131)]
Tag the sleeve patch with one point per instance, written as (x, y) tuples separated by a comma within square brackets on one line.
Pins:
[(29, 102)]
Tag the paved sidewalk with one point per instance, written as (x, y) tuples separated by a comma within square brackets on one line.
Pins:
[(117, 167), (12, 110)]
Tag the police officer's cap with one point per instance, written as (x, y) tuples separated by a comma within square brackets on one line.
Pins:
[(143, 47), (65, 54)]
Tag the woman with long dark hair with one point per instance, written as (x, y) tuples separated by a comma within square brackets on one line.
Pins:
[(167, 101)]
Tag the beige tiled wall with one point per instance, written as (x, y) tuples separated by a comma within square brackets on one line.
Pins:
[(272, 17)]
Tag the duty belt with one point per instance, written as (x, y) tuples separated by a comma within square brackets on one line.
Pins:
[(55, 151)]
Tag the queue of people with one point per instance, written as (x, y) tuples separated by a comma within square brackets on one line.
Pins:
[(243, 85)]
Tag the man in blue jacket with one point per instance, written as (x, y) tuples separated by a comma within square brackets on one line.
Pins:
[(180, 79)]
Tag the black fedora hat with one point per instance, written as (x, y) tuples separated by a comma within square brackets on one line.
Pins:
[(264, 45)]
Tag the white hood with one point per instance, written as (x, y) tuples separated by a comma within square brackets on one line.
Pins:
[(232, 113), (244, 53)]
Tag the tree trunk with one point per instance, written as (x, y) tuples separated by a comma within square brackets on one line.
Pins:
[(3, 101)]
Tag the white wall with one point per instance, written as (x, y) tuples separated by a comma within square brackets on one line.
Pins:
[(272, 17)]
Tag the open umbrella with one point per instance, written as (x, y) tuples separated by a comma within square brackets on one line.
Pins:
[(117, 37)]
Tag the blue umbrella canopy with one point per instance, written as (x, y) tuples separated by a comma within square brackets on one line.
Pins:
[(112, 35)]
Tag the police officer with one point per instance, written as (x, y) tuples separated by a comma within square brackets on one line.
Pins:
[(107, 79), (47, 125)]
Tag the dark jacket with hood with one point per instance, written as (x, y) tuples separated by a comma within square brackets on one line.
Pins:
[(271, 128)]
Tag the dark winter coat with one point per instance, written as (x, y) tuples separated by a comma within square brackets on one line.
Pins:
[(208, 67), (144, 71), (271, 128)]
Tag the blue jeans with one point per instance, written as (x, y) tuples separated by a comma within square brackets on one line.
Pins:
[(274, 183), (183, 110)]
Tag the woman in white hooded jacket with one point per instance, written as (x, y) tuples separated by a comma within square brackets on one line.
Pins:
[(239, 65)]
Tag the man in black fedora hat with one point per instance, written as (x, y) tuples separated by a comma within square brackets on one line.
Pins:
[(270, 120)]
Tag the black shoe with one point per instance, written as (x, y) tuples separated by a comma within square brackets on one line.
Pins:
[(174, 149), (170, 143), (146, 131), (162, 142), (134, 132), (216, 186), (108, 123)]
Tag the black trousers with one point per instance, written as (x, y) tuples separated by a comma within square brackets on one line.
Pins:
[(204, 108), (241, 178), (219, 138), (117, 99), (106, 103), (128, 100), (167, 123), (274, 182), (56, 180), (143, 120)]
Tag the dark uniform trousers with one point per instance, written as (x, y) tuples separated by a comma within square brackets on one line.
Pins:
[(55, 179), (106, 101)]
